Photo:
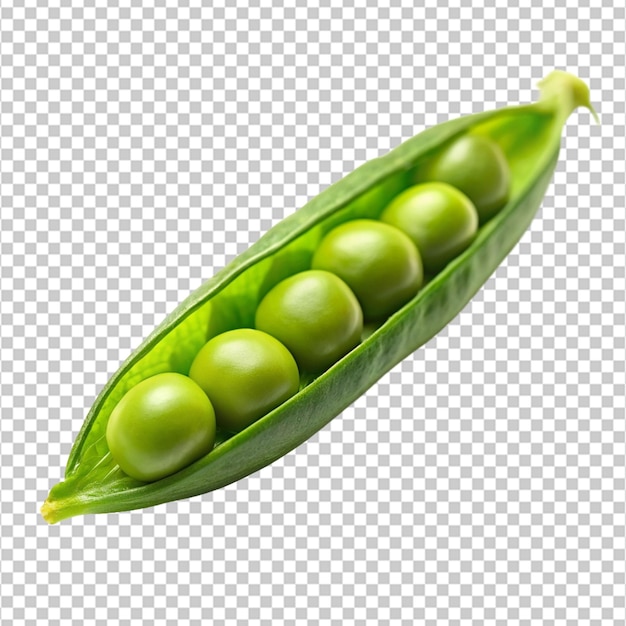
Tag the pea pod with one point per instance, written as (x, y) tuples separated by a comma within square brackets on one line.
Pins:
[(529, 135)]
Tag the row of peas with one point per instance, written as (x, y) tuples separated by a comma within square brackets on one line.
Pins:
[(362, 271)]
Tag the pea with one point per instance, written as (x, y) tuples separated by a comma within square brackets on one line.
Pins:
[(315, 314), (160, 425), (439, 219), (475, 165), (378, 262), (246, 373)]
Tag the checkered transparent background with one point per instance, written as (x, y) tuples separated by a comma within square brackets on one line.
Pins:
[(142, 147)]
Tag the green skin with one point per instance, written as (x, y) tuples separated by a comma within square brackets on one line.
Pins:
[(161, 425), (475, 165), (246, 373), (378, 262), (316, 315), (439, 219)]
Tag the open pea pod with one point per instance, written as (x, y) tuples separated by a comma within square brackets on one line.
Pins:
[(530, 139)]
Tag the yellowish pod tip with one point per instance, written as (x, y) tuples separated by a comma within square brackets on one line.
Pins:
[(568, 90), (48, 511)]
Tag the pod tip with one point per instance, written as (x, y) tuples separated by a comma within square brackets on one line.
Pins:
[(570, 91), (48, 511)]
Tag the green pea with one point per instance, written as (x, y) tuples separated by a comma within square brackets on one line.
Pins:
[(378, 262), (316, 315), (439, 219), (475, 165), (160, 425), (246, 373)]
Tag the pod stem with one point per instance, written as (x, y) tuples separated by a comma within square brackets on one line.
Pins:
[(566, 92), (48, 512)]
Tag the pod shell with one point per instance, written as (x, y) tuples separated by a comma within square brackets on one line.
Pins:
[(530, 138)]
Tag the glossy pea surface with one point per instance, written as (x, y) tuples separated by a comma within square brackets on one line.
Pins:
[(439, 219), (377, 261), (315, 314), (160, 426), (475, 165), (246, 373)]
